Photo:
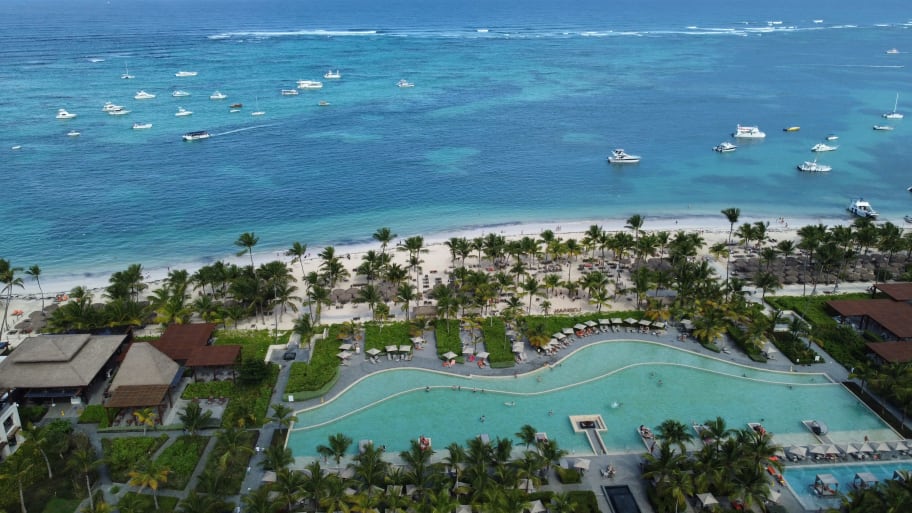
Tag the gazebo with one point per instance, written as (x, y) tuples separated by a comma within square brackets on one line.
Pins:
[(144, 380)]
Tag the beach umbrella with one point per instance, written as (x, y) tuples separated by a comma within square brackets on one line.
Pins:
[(405, 349), (567, 331), (645, 322), (417, 340), (559, 336), (468, 350), (819, 450), (449, 355), (659, 324), (536, 506), (391, 349), (630, 320), (707, 499), (831, 450), (849, 449), (774, 496), (605, 322), (463, 508), (591, 324), (344, 355), (866, 447), (881, 447), (579, 326), (269, 476), (373, 351), (581, 464), (482, 355), (525, 485), (345, 347), (900, 446), (797, 451), (517, 347)]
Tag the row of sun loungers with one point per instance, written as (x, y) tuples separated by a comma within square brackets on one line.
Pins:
[(857, 451)]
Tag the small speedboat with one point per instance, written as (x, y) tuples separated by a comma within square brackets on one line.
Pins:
[(323, 103), (218, 95), (310, 84), (120, 111), (180, 94), (892, 51), (289, 92), (108, 107), (332, 74), (63, 114), (619, 156), (725, 147), (186, 74), (142, 95), (181, 112), (195, 136), (823, 147), (832, 137), (811, 166), (142, 126), (405, 83), (884, 128), (73, 133)]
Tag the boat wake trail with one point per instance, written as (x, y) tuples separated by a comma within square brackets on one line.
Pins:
[(244, 129)]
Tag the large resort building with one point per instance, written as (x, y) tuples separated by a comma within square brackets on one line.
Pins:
[(888, 318)]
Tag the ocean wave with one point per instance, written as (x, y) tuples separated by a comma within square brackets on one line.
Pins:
[(293, 33)]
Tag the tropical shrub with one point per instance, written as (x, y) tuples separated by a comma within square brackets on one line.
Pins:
[(122, 454), (181, 458)]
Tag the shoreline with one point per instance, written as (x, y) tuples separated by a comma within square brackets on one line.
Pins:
[(55, 283)]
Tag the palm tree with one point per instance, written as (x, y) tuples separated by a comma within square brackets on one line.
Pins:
[(151, 477), (456, 458), (404, 294), (732, 214), (247, 240), (283, 415), (9, 280), (83, 459), (338, 445), (288, 484), (194, 418), (369, 467), (297, 251), (635, 223), (18, 468), (384, 236), (147, 418), (35, 272), (258, 501), (201, 503), (369, 294), (672, 432), (526, 435), (531, 286)]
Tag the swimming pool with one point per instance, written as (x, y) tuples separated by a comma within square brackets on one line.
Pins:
[(629, 383), (801, 478)]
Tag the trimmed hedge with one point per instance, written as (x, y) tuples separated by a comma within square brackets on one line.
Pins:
[(568, 475), (321, 370), (586, 501), (496, 344), (254, 343), (379, 336), (181, 458), (447, 334), (97, 414)]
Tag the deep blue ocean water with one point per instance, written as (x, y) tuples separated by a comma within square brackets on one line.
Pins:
[(515, 107)]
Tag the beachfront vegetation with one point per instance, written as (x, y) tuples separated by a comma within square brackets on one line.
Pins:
[(122, 454)]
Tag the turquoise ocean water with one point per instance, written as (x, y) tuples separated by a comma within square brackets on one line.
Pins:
[(514, 109)]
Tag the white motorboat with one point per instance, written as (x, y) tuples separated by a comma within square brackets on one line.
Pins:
[(832, 137), (181, 112), (330, 75), (186, 74), (725, 147), (892, 51), (142, 95), (748, 132), (310, 84), (289, 92), (323, 103), (196, 136), (823, 147), (405, 83), (120, 111), (180, 94), (619, 156), (894, 114), (862, 208), (883, 128), (73, 133), (142, 126), (63, 114), (811, 166), (108, 107), (218, 95)]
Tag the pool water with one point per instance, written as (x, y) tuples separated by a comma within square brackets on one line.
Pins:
[(801, 479), (627, 383)]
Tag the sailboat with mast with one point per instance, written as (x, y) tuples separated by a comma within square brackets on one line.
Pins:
[(894, 114), (257, 112), (126, 74)]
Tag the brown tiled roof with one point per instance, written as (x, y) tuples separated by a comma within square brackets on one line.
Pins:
[(894, 316), (180, 341), (133, 396), (896, 291), (892, 352), (214, 356)]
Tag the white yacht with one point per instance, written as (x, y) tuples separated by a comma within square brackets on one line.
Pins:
[(725, 147), (329, 75), (63, 114), (885, 128), (142, 95), (405, 83), (186, 74), (142, 126), (289, 92), (894, 114), (120, 111), (862, 208), (195, 136), (811, 166), (108, 107), (619, 156), (832, 137), (310, 84), (819, 147), (893, 51), (748, 132), (218, 95), (73, 133), (181, 112), (180, 94)]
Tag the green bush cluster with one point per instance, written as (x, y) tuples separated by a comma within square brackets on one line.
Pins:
[(494, 331), (123, 454), (61, 505), (143, 503), (379, 336), (793, 348), (568, 475), (94, 414), (447, 334), (229, 472), (586, 501), (254, 343), (181, 458), (322, 368), (251, 403), (32, 413)]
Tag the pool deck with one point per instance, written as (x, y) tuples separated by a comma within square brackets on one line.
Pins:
[(627, 465)]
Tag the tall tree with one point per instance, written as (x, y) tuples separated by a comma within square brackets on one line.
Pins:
[(83, 459), (18, 468), (384, 236), (152, 476), (35, 272), (247, 240), (297, 252), (732, 214)]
